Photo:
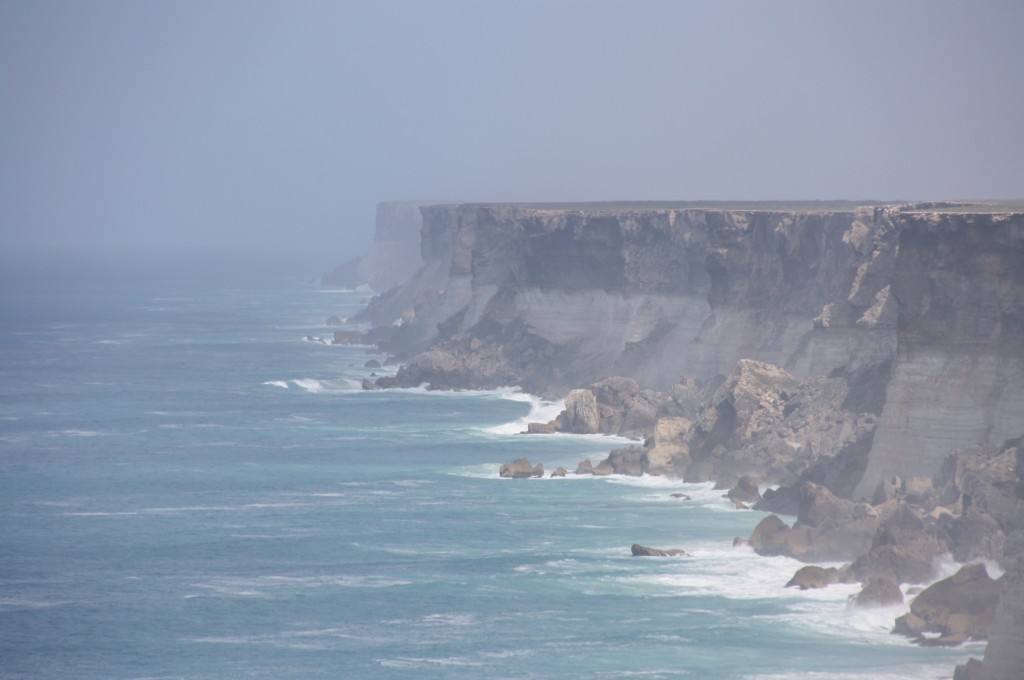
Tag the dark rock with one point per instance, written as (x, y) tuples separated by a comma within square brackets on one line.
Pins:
[(894, 563), (784, 500), (745, 491), (370, 385), (585, 467), (812, 577), (541, 428), (682, 496), (773, 537), (643, 551), (372, 363), (1004, 656), (559, 472), (972, 670), (334, 321), (628, 461), (520, 469), (878, 592), (959, 608)]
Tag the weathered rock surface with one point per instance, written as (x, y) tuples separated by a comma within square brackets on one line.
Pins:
[(972, 670), (827, 529), (643, 551), (585, 467), (582, 415), (959, 608), (878, 592), (521, 469), (813, 577), (1004, 656)]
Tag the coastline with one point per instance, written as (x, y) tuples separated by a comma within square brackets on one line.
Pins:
[(819, 408)]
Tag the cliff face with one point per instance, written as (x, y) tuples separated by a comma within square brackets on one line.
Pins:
[(394, 255), (561, 297), (958, 375), (920, 311)]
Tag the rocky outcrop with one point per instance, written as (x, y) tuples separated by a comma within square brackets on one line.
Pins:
[(521, 469), (813, 577), (827, 529), (958, 281), (582, 415), (394, 255), (643, 551), (959, 608), (878, 592), (1004, 656), (571, 295)]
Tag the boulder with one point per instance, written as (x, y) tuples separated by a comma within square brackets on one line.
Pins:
[(972, 670), (585, 467), (581, 412), (745, 491), (878, 592), (334, 321), (959, 608), (372, 363), (812, 577), (370, 385), (541, 428), (559, 472), (773, 537), (628, 461), (520, 469), (894, 563), (603, 469), (643, 551), (904, 548)]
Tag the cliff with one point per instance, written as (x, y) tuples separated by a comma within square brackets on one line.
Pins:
[(919, 309), (551, 297), (867, 358), (394, 255)]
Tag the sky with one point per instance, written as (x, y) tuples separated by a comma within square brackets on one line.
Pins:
[(250, 126)]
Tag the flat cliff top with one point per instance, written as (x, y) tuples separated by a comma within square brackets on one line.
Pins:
[(742, 206), (993, 207), (1009, 206)]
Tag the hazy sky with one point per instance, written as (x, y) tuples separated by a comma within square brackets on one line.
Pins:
[(280, 125)]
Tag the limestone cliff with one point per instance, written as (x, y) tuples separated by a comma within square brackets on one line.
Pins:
[(958, 375), (551, 297), (919, 310), (394, 255)]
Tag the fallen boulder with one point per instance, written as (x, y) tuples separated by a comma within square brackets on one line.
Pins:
[(813, 577), (959, 608), (878, 592), (643, 551), (521, 469), (745, 491)]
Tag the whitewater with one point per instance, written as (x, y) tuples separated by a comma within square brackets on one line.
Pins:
[(191, 489)]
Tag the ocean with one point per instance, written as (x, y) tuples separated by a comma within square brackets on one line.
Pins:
[(191, 489)]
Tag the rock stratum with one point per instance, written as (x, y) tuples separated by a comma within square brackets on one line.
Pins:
[(865, 359)]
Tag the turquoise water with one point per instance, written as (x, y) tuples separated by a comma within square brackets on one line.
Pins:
[(189, 489)]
